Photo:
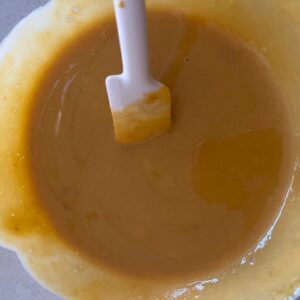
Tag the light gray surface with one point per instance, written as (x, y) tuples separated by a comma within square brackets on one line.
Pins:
[(15, 283)]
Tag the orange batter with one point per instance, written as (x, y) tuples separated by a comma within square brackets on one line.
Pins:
[(187, 202)]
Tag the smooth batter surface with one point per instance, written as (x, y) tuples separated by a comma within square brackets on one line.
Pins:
[(189, 201)]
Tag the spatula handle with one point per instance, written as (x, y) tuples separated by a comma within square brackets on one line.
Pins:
[(132, 29)]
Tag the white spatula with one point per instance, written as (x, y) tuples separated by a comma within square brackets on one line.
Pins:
[(141, 106)]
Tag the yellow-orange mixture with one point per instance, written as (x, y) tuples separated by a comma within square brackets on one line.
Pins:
[(187, 202)]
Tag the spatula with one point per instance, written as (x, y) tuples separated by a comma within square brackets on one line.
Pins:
[(140, 105)]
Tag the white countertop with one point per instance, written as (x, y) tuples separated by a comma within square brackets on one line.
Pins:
[(15, 283)]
